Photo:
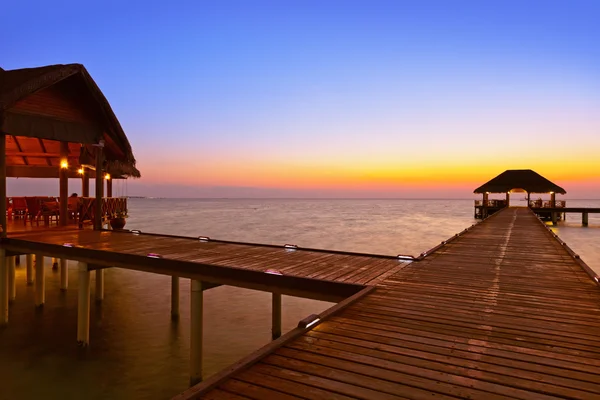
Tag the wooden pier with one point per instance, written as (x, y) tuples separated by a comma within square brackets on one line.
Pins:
[(506, 310), (502, 310)]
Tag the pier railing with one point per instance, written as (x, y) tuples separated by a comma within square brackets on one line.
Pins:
[(547, 204), (490, 203), (111, 208)]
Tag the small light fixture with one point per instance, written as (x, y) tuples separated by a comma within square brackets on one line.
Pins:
[(273, 272), (107, 176), (308, 321), (405, 258), (80, 170), (203, 238), (136, 231), (64, 164), (551, 192)]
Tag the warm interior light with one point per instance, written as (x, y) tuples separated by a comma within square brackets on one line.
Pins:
[(64, 164), (80, 170), (107, 176), (551, 192)]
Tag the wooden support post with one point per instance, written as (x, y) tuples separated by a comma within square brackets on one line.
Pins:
[(552, 199), (18, 260), (85, 183), (3, 225), (584, 219), (63, 177), (12, 283), (54, 263), (554, 219), (528, 199), (276, 316), (3, 288), (40, 281), (83, 306), (196, 334), (484, 206), (174, 298), (109, 187), (29, 260), (507, 199), (99, 189), (99, 284), (64, 274)]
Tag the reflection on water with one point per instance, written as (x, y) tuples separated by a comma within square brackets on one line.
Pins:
[(136, 352)]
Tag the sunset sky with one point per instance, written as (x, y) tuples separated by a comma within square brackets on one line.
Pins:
[(332, 98)]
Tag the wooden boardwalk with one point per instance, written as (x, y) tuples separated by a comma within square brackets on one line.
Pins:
[(503, 311)]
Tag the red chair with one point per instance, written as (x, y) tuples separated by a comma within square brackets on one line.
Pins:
[(33, 210), (19, 206)]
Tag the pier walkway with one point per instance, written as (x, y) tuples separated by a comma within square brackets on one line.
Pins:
[(503, 311)]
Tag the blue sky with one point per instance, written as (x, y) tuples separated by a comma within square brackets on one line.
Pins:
[(314, 97)]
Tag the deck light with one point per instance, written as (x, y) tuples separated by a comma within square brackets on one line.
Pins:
[(203, 238), (405, 258), (136, 231), (68, 244), (273, 272), (80, 170), (154, 255), (596, 279), (308, 321), (64, 164), (290, 247), (107, 176)]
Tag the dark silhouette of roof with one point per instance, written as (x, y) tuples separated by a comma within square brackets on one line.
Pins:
[(525, 179), (19, 83)]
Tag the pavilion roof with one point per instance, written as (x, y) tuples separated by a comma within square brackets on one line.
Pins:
[(18, 84), (525, 179)]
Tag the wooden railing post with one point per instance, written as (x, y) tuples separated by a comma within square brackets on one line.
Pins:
[(99, 188), (63, 177)]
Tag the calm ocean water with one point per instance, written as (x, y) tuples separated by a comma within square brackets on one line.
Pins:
[(136, 352)]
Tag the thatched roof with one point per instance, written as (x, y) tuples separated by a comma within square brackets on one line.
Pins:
[(18, 84), (525, 179)]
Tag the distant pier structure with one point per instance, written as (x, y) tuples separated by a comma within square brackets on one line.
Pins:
[(527, 181)]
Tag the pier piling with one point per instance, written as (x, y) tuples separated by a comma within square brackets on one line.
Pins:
[(99, 284), (29, 261), (196, 334), (83, 306), (584, 219), (12, 282), (40, 281), (174, 297), (64, 275), (276, 316), (3, 288)]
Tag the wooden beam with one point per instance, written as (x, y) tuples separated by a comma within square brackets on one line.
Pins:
[(38, 171), (20, 150), (64, 185), (43, 146), (39, 154)]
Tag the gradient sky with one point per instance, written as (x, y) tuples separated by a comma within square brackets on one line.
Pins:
[(333, 98)]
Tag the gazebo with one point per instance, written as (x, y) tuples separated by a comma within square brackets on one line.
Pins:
[(514, 181), (56, 123)]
